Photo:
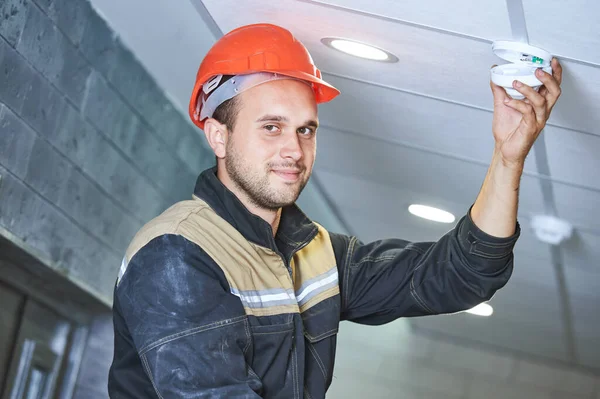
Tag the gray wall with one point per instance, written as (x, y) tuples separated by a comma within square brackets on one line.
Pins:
[(90, 147)]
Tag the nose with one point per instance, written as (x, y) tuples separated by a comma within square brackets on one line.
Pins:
[(292, 149)]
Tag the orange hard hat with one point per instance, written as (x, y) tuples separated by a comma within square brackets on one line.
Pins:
[(258, 48)]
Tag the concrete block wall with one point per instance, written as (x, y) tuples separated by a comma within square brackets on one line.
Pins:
[(393, 361), (90, 147)]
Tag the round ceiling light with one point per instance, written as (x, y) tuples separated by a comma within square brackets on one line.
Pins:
[(359, 49), (431, 213), (483, 309)]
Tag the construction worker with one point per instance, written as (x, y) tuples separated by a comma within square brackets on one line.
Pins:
[(237, 294)]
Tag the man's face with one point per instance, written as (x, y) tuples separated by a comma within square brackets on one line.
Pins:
[(271, 152)]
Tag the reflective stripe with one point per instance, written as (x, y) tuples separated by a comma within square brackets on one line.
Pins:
[(122, 269), (265, 298), (317, 285)]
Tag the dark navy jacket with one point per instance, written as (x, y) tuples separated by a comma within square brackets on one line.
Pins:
[(208, 304)]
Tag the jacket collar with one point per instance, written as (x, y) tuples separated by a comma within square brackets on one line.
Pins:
[(295, 228)]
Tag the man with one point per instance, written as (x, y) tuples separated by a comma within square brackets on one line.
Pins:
[(237, 294)]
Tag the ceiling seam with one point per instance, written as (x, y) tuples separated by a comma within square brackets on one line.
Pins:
[(543, 167), (441, 99), (567, 313), (516, 16), (518, 24), (431, 28), (556, 256), (208, 18)]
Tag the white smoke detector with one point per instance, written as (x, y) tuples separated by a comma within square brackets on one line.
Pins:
[(523, 62), (550, 229)]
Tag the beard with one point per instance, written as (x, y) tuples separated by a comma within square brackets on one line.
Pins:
[(257, 185)]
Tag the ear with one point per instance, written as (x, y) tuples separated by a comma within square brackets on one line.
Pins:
[(216, 134)]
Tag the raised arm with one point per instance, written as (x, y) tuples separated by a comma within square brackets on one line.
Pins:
[(386, 279)]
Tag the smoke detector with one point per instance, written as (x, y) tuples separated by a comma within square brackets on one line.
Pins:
[(550, 229), (523, 62)]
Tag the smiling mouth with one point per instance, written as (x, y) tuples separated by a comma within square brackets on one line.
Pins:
[(288, 175)]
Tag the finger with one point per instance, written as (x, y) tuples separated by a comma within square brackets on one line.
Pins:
[(535, 99), (552, 86), (526, 111), (557, 70), (499, 93)]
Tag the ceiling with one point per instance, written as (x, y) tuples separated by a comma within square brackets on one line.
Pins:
[(420, 131)]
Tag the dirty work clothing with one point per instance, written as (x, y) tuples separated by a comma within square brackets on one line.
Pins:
[(209, 304)]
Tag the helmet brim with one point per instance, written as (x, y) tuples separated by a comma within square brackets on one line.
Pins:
[(323, 91)]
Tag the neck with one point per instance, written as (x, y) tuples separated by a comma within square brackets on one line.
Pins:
[(268, 215)]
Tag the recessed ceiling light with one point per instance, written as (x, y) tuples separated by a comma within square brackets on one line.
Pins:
[(483, 309), (431, 213), (359, 49)]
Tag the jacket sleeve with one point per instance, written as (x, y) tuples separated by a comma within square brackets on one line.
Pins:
[(190, 332), (386, 279)]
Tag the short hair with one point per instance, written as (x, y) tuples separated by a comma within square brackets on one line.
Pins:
[(227, 113)]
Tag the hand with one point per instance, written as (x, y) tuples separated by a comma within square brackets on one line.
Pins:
[(518, 123)]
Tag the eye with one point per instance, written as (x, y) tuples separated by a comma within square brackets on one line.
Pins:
[(306, 131), (271, 128)]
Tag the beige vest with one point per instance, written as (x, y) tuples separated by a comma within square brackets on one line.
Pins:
[(256, 274)]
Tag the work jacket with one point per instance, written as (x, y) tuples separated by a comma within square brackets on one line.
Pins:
[(210, 304)]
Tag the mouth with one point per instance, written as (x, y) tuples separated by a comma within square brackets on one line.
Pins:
[(288, 175)]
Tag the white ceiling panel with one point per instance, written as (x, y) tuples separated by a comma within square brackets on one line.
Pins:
[(431, 63), (485, 19), (396, 225), (415, 120), (400, 167), (382, 204), (566, 30), (381, 209), (564, 147), (578, 206), (499, 331)]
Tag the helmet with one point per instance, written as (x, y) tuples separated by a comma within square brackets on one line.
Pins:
[(266, 51)]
